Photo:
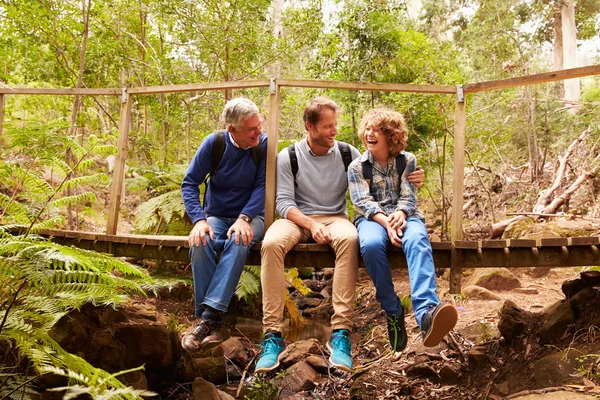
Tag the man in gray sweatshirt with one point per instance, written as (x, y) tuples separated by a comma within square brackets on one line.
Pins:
[(312, 205)]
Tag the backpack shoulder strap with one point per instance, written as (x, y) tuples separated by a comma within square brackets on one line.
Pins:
[(293, 161), (400, 164), (257, 154), (346, 154), (367, 170), (217, 150)]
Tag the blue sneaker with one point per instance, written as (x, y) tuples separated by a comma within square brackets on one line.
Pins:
[(272, 350), (341, 350)]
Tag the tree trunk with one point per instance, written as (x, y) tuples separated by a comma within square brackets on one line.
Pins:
[(85, 11), (558, 47), (277, 6), (569, 34)]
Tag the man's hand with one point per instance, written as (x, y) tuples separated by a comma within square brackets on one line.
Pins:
[(198, 233), (320, 233), (397, 221), (242, 229), (417, 177)]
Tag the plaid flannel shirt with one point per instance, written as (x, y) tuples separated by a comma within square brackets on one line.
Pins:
[(390, 193)]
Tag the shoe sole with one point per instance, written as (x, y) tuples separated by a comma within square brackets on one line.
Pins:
[(443, 322), (265, 369), (339, 366)]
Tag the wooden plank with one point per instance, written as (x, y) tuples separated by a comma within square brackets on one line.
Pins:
[(442, 245), (585, 241), (458, 177), (119, 169), (554, 242), (196, 87), (2, 99), (466, 244), (380, 87), (271, 174), (62, 91), (494, 244), (522, 243), (533, 79)]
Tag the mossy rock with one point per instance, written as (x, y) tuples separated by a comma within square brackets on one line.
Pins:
[(495, 279)]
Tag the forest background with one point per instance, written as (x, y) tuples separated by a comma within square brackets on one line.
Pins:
[(53, 149)]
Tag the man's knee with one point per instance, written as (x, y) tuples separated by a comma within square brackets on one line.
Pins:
[(372, 244)]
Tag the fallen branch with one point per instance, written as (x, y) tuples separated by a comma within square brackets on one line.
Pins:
[(537, 391)]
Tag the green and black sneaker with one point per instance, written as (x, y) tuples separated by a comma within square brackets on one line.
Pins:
[(397, 332)]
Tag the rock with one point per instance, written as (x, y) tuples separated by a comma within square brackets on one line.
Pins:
[(581, 300), (449, 374), (306, 302), (153, 345), (305, 272), (324, 310), (590, 278), (523, 290), (555, 369), (318, 363), (480, 332), (495, 279), (325, 293), (232, 388), (421, 371), (225, 396), (558, 395), (135, 379), (234, 373), (513, 320), (315, 286), (479, 293), (299, 350), (329, 273), (204, 390), (477, 357), (571, 287), (212, 369), (234, 349), (558, 317), (70, 330), (299, 377), (538, 272)]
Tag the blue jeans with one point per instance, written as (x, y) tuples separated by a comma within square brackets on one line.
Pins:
[(374, 241), (215, 278)]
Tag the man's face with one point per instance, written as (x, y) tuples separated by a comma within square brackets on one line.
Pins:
[(248, 135), (323, 133)]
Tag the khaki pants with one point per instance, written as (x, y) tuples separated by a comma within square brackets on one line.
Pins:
[(279, 239)]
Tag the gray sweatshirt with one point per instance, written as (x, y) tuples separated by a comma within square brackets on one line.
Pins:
[(321, 182)]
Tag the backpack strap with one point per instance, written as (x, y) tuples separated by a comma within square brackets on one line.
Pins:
[(346, 154), (217, 154), (367, 169), (257, 154), (293, 161)]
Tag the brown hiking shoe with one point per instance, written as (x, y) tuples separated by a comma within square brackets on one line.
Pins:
[(197, 337), (437, 322)]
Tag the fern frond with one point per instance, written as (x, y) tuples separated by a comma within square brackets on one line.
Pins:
[(105, 149), (82, 198), (78, 151), (32, 183), (85, 180), (248, 285), (169, 205), (47, 224), (85, 165)]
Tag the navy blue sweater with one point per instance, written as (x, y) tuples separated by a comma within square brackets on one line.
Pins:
[(236, 187)]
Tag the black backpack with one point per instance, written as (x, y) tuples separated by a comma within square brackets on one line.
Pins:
[(217, 154), (344, 150), (367, 169)]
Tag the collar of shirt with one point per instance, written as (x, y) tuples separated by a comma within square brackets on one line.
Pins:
[(233, 142), (367, 156), (329, 151)]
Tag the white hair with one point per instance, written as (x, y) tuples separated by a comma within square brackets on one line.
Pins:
[(238, 109)]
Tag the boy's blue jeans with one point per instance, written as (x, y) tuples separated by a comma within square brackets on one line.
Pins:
[(374, 242), (218, 265)]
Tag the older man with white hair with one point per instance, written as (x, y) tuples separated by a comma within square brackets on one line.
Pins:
[(231, 219)]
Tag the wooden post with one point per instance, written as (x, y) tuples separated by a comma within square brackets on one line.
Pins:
[(460, 125), (116, 190), (271, 177), (1, 113)]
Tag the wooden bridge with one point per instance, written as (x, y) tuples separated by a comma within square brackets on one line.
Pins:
[(456, 254)]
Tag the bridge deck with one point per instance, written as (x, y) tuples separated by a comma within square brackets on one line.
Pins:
[(547, 252)]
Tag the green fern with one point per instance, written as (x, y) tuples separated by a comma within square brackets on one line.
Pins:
[(162, 209), (249, 284)]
